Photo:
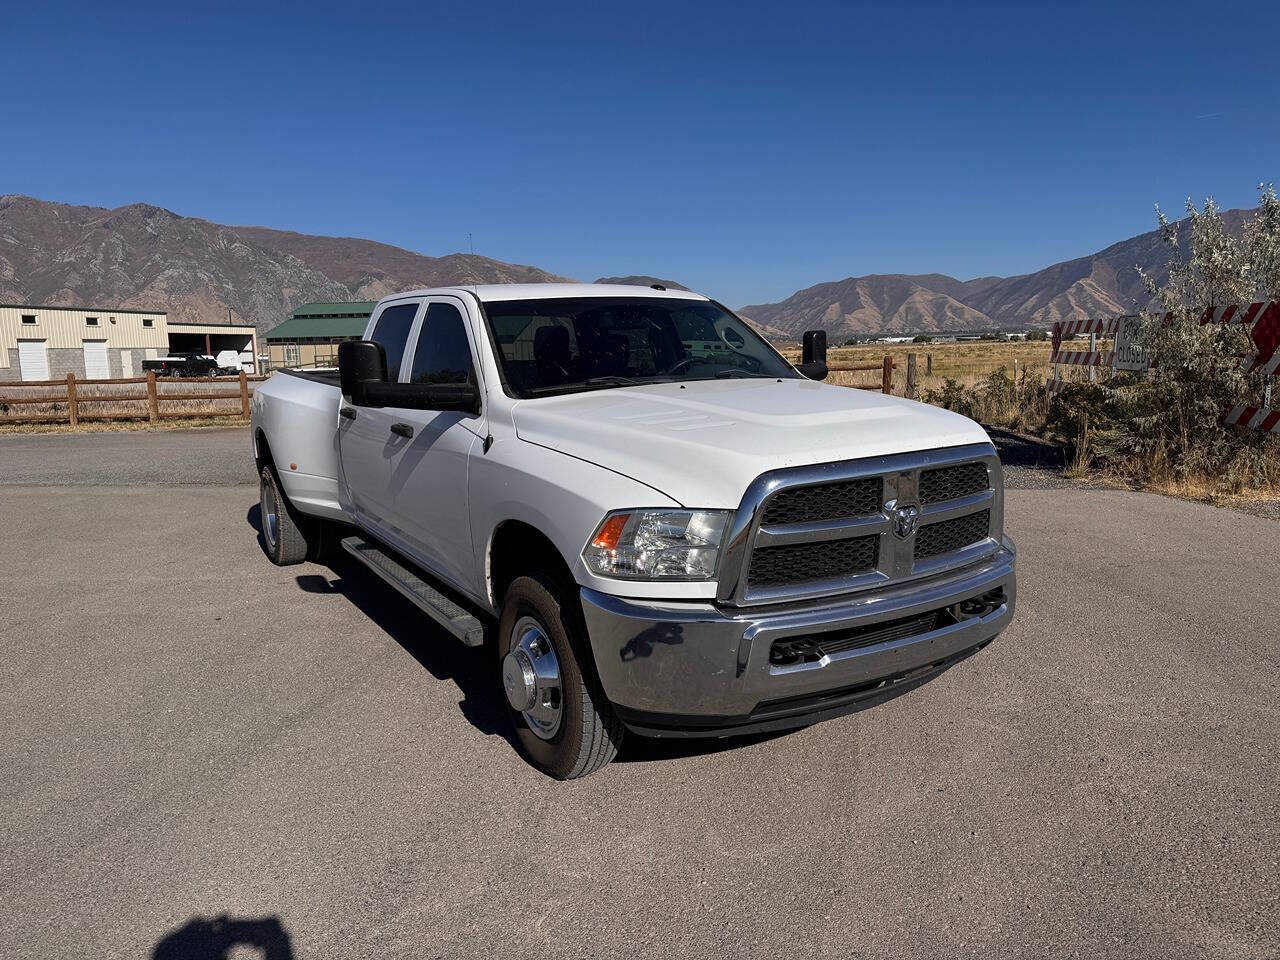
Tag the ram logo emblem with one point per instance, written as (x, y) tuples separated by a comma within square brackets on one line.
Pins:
[(904, 517)]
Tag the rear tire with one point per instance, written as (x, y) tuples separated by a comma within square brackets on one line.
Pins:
[(569, 729), (286, 534)]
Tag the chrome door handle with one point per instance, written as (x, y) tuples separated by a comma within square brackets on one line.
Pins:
[(402, 429)]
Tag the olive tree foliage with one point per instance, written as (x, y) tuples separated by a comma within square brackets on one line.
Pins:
[(1262, 245), (1170, 423)]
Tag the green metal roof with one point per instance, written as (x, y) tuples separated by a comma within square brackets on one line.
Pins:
[(321, 320), (364, 307)]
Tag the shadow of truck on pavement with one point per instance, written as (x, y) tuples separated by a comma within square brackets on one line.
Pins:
[(473, 669)]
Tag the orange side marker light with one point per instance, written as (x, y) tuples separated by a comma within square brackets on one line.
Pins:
[(611, 532)]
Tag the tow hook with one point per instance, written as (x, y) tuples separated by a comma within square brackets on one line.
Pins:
[(786, 652), (978, 606)]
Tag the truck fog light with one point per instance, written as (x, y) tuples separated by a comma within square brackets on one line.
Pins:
[(657, 544)]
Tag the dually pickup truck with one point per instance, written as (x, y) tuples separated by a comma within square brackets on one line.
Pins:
[(658, 523)]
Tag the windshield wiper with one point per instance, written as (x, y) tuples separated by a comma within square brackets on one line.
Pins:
[(611, 381), (735, 372), (577, 386)]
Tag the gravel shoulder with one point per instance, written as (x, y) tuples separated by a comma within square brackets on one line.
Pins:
[(1030, 463)]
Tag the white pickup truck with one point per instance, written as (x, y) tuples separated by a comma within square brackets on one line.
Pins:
[(661, 524)]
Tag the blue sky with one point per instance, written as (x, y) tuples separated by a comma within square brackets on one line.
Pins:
[(745, 149)]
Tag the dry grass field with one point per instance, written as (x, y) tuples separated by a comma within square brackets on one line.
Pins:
[(967, 363), (122, 426)]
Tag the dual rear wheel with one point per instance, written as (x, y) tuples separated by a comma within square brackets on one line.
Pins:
[(288, 536)]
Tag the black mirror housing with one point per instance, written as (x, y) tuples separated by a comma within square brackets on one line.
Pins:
[(360, 362), (813, 362)]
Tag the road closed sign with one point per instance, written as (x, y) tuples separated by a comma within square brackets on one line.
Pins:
[(1128, 355)]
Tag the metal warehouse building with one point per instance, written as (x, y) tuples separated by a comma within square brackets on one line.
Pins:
[(310, 337), (47, 343)]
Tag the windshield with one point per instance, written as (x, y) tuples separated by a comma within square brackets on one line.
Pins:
[(590, 343)]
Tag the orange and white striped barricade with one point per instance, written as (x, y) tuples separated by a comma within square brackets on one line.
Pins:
[(1263, 321), (1091, 358), (1255, 418)]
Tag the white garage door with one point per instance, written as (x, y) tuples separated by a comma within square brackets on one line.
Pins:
[(95, 360), (33, 359)]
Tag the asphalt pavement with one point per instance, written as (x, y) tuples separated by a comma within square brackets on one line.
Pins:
[(204, 455), (201, 750)]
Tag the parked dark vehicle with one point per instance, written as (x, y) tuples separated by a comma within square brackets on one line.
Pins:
[(183, 365)]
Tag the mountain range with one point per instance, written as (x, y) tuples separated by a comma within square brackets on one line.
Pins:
[(1105, 283), (635, 280), (144, 256), (147, 257)]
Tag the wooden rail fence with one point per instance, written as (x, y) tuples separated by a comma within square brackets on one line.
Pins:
[(885, 367), (74, 395)]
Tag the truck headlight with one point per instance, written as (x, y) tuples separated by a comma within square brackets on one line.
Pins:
[(657, 544)]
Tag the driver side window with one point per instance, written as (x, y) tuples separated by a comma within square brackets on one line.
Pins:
[(392, 331), (443, 354)]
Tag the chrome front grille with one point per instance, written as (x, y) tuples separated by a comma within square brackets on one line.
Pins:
[(948, 535), (834, 528), (951, 483), (803, 562), (828, 501)]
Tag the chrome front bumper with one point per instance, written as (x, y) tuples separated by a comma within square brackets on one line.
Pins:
[(695, 669)]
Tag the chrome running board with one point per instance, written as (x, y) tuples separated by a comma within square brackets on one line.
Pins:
[(458, 621)]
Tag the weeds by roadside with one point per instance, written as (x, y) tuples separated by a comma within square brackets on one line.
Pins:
[(121, 426), (997, 399), (1113, 432)]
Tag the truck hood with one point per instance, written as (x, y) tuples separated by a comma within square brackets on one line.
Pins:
[(701, 443)]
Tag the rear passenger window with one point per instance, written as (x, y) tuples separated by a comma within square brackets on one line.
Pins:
[(392, 331), (443, 354)]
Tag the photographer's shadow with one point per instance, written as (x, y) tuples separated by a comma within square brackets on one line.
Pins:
[(218, 938)]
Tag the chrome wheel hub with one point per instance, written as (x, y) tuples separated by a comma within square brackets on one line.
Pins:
[(270, 515), (531, 678)]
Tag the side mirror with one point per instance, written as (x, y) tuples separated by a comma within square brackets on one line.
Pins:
[(813, 363), (462, 397), (360, 363)]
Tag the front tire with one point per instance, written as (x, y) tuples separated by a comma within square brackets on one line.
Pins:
[(563, 722), (285, 533)]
